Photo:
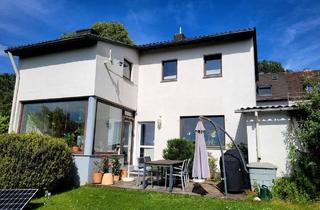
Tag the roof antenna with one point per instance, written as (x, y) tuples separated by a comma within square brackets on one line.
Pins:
[(180, 30)]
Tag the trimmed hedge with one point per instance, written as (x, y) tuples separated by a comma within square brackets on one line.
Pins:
[(34, 161)]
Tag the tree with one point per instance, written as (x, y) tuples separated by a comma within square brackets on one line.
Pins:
[(6, 93), (112, 30), (7, 82), (109, 30), (304, 143), (270, 67)]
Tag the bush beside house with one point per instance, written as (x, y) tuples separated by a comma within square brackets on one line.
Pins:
[(178, 149), (303, 140), (34, 161)]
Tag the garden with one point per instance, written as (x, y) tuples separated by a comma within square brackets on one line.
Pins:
[(45, 163), (89, 197)]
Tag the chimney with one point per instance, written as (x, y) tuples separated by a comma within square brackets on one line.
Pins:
[(179, 36), (86, 32)]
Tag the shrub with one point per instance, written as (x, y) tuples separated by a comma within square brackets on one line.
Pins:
[(116, 166), (285, 189), (178, 149), (213, 167), (303, 142), (34, 161), (4, 123)]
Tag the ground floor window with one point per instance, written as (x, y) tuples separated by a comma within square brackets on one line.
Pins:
[(147, 139), (188, 125), (63, 119)]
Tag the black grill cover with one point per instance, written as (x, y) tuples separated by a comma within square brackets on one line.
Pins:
[(237, 177)]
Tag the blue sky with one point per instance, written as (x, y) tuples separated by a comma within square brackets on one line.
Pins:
[(288, 31)]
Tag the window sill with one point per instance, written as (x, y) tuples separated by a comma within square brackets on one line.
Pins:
[(169, 80), (215, 147), (212, 76)]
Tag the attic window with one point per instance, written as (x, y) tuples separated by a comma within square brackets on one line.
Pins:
[(275, 76), (264, 91)]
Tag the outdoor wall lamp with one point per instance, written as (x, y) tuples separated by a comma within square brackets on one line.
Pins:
[(159, 123)]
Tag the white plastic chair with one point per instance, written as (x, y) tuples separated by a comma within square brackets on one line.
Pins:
[(178, 172)]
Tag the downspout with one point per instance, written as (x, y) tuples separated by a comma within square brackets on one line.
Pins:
[(15, 93), (257, 136)]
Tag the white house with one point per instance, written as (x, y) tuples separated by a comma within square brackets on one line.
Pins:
[(130, 99)]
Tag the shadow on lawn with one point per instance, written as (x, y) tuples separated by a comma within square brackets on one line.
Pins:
[(31, 206), (198, 189)]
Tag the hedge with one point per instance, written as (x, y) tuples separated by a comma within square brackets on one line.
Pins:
[(34, 161)]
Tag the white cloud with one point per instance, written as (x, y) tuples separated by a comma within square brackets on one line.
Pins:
[(302, 27)]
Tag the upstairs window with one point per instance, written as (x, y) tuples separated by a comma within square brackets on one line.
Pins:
[(169, 70), (127, 69), (264, 91), (213, 65)]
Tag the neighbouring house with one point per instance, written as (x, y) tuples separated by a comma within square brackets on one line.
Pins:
[(123, 99), (269, 120)]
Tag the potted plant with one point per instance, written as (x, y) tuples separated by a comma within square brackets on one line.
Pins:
[(98, 172), (116, 168), (107, 178), (71, 141)]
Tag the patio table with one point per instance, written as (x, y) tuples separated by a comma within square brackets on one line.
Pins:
[(161, 163)]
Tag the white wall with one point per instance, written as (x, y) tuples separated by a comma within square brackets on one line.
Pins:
[(193, 95), (56, 75), (109, 84), (272, 137)]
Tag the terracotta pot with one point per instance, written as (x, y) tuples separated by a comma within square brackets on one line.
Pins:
[(76, 149), (107, 179), (116, 178), (97, 177), (124, 173)]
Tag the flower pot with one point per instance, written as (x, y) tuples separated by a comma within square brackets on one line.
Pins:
[(124, 173), (116, 178), (76, 149), (97, 177), (107, 179)]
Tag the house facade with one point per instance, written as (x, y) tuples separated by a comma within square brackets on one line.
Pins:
[(111, 98)]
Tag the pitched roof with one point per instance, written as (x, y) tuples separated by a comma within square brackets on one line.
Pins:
[(211, 38), (288, 86), (88, 37), (83, 38)]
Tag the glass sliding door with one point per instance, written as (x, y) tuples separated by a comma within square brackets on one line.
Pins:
[(127, 141), (147, 139), (108, 129), (113, 131)]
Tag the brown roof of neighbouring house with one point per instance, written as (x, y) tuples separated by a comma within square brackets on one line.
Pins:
[(288, 86)]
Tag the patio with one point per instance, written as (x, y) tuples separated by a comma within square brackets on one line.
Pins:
[(206, 189)]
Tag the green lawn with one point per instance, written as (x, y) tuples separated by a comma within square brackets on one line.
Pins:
[(113, 198)]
